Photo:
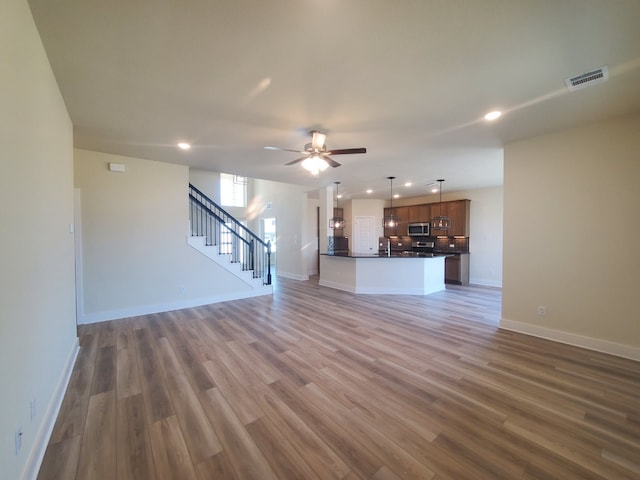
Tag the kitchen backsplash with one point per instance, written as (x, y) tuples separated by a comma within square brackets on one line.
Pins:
[(452, 244), (441, 244)]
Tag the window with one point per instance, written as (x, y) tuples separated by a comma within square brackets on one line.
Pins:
[(233, 190), (269, 232)]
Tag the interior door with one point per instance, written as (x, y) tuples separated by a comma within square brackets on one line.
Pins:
[(364, 240)]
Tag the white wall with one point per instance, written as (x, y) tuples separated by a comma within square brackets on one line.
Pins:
[(207, 182), (134, 229), (37, 306), (485, 230), (289, 207), (571, 228), (311, 252)]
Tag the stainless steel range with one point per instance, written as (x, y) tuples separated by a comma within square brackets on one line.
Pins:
[(422, 247)]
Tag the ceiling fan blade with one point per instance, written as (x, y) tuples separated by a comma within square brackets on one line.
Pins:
[(317, 141), (283, 149), (331, 161), (346, 151), (297, 160)]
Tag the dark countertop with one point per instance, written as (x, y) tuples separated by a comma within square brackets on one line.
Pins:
[(393, 255)]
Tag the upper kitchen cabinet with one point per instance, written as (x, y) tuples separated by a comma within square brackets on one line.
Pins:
[(403, 219), (420, 213), (403, 215), (458, 211)]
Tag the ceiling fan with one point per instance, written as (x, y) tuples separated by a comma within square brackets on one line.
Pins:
[(315, 154)]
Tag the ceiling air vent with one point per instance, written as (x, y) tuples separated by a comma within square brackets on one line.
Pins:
[(587, 79)]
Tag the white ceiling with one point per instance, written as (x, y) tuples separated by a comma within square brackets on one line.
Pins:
[(408, 79)]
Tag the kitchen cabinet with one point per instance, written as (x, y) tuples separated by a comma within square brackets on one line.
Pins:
[(458, 211), (420, 213), (403, 219), (403, 216), (390, 232), (456, 269)]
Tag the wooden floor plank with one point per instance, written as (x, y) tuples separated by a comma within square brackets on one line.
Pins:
[(134, 454), (202, 441), (318, 383), (98, 451), (243, 454), (61, 459), (284, 459), (170, 455)]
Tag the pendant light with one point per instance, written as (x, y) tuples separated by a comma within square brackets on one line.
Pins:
[(336, 222), (391, 220), (441, 222)]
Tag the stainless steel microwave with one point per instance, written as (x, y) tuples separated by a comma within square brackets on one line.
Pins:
[(418, 229)]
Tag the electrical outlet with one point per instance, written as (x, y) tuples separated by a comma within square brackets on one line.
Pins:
[(18, 439), (32, 408), (542, 310)]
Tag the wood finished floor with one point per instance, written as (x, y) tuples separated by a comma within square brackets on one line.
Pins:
[(314, 383)]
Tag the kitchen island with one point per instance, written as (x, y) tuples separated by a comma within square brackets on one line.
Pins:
[(379, 274)]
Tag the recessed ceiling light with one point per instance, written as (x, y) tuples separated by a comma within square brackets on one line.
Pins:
[(369, 190), (395, 195), (408, 184), (434, 190), (184, 146), (492, 115)]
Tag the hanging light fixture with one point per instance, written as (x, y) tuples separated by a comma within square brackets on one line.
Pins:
[(315, 164), (441, 222), (391, 220), (336, 222)]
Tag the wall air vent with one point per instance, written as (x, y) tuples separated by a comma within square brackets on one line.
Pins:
[(587, 79)]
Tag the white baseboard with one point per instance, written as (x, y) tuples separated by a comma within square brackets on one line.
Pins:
[(605, 346), (292, 276), (379, 290), (338, 286), (483, 282), (32, 468), (167, 307)]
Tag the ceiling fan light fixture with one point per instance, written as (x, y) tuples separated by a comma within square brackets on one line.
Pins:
[(315, 164), (317, 140)]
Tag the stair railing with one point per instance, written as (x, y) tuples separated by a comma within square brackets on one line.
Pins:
[(220, 228)]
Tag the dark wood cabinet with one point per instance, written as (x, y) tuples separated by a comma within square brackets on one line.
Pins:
[(456, 269), (420, 213), (403, 216), (458, 211), (403, 219), (388, 231)]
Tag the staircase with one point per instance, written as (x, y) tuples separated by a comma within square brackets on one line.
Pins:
[(219, 236)]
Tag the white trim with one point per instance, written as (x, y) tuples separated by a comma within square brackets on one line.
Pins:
[(167, 307), (34, 462), (337, 286), (605, 346), (293, 276), (481, 282)]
